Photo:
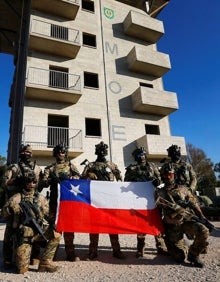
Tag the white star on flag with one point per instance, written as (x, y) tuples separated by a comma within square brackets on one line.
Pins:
[(75, 190)]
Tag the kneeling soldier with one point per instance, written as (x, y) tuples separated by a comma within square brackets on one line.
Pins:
[(27, 210)]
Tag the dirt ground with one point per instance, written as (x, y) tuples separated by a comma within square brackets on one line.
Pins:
[(107, 268)]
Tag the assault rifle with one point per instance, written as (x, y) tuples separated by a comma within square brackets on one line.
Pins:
[(30, 212), (187, 214), (100, 173)]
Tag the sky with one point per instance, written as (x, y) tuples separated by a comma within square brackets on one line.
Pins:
[(192, 40)]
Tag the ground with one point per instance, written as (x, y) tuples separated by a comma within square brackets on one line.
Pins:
[(107, 268)]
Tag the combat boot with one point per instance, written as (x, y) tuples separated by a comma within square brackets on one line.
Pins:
[(195, 260), (140, 247), (118, 254), (47, 266), (22, 270), (70, 254), (92, 255)]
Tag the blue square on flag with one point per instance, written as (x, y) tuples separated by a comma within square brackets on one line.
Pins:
[(75, 190)]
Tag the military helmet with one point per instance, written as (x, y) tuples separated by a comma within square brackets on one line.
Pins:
[(30, 177), (138, 152), (60, 148), (25, 148), (101, 148), (167, 173), (174, 152)]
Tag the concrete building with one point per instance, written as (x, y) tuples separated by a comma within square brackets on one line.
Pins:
[(88, 71)]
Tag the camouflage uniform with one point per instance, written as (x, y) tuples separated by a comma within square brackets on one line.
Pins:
[(177, 219), (25, 234), (103, 170), (53, 174), (140, 172), (184, 172), (14, 182)]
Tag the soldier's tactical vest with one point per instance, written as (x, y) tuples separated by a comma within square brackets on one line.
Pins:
[(181, 173), (102, 171), (140, 173)]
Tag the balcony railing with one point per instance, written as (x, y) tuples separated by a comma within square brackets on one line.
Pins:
[(53, 85), (54, 39), (43, 138), (53, 78)]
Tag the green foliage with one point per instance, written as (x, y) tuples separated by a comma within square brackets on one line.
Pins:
[(217, 169), (203, 166)]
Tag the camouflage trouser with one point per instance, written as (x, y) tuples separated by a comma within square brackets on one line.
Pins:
[(94, 239), (159, 240), (175, 240), (23, 252), (7, 244), (69, 243)]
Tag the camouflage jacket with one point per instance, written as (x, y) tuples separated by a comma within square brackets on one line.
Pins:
[(181, 203), (141, 173), (55, 173), (13, 212), (19, 170), (106, 171)]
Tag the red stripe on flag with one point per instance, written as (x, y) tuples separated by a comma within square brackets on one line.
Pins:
[(83, 218)]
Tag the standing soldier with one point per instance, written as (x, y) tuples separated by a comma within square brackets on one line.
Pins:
[(14, 183), (27, 211), (184, 172), (143, 171), (104, 170), (178, 206), (54, 174)]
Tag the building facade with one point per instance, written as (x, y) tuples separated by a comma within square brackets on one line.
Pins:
[(90, 71)]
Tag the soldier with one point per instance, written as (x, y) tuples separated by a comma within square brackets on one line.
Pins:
[(184, 172), (14, 183), (143, 171), (101, 169), (26, 226), (54, 174), (178, 206)]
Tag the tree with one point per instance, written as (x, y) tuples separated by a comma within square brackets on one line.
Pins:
[(217, 169), (204, 169)]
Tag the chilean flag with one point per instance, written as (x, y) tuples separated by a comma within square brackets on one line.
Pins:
[(88, 206)]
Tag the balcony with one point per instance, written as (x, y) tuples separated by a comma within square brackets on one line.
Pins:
[(51, 85), (156, 145), (143, 27), (43, 139), (62, 8), (54, 39), (151, 101), (148, 62)]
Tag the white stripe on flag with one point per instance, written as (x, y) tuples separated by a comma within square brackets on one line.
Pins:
[(122, 195)]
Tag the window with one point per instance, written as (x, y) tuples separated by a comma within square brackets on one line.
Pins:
[(59, 77), (89, 39), (88, 5), (152, 129), (59, 32), (93, 127), (146, 85), (58, 130), (91, 80)]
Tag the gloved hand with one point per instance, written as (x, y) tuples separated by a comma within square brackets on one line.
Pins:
[(156, 182), (16, 209), (19, 180), (63, 176)]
